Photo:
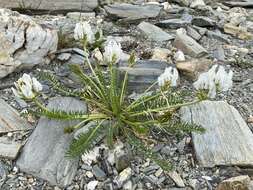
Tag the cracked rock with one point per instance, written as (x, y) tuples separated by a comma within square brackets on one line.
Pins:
[(23, 42)]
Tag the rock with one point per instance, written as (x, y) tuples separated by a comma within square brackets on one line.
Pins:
[(203, 21), (56, 5), (124, 176), (3, 173), (237, 31), (98, 172), (128, 185), (188, 45), (9, 149), (143, 74), (193, 33), (250, 119), (10, 119), (194, 67), (122, 160), (23, 43), (218, 36), (79, 15), (44, 154), (185, 3), (224, 129), (219, 53), (246, 3), (92, 185), (161, 54), (197, 3), (179, 56), (134, 12), (154, 33), (176, 178), (238, 183), (173, 23)]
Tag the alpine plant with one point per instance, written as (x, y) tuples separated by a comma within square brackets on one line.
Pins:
[(113, 113)]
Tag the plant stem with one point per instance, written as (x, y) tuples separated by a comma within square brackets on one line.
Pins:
[(40, 105), (165, 108)]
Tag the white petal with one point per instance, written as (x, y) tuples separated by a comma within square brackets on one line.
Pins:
[(37, 87), (16, 93), (113, 48)]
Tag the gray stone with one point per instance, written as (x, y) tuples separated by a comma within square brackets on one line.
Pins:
[(44, 155), (79, 15), (23, 42), (176, 178), (227, 140), (218, 36), (98, 172), (154, 33), (219, 53), (193, 33), (189, 46), (239, 183), (245, 3), (173, 23), (203, 21), (9, 149), (143, 74), (182, 2), (56, 5), (124, 10), (10, 119)]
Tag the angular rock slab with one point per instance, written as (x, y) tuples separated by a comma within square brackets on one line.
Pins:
[(9, 149), (23, 42), (154, 33), (124, 10), (189, 46), (50, 5), (227, 140), (10, 119), (44, 155)]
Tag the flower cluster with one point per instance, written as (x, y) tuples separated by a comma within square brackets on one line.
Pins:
[(170, 76), (82, 30), (113, 51), (27, 87), (216, 79)]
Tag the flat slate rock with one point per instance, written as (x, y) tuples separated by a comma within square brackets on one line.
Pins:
[(227, 140), (247, 4), (10, 119), (173, 23), (154, 33), (55, 5), (44, 155), (143, 74), (9, 149), (124, 10)]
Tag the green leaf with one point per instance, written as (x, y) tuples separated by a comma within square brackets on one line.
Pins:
[(85, 141)]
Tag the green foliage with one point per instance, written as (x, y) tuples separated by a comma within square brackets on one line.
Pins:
[(124, 118), (130, 119)]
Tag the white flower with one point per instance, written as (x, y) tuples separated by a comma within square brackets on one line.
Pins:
[(216, 79), (83, 29), (113, 50), (37, 87), (27, 87), (170, 75)]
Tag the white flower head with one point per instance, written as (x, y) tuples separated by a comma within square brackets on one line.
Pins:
[(216, 79), (27, 87), (83, 29), (113, 50), (170, 75)]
